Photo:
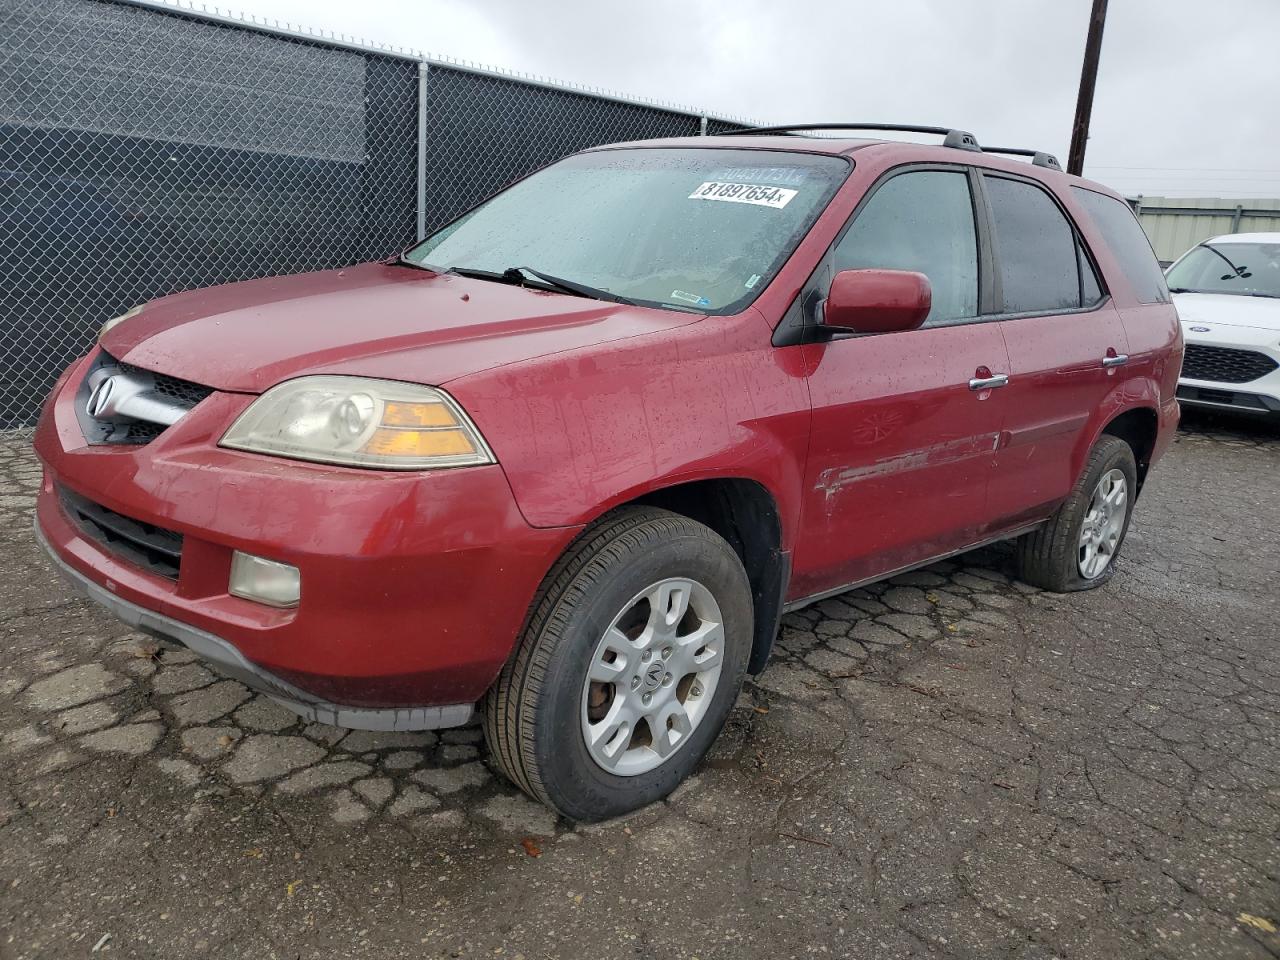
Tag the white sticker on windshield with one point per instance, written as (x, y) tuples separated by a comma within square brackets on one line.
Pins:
[(789, 176), (752, 193)]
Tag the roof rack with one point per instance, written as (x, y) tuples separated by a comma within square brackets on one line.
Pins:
[(959, 139), (951, 137), (1038, 157)]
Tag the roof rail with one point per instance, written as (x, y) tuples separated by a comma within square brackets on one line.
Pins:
[(1038, 157), (959, 139)]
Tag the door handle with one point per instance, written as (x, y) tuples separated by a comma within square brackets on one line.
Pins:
[(1115, 360), (989, 383)]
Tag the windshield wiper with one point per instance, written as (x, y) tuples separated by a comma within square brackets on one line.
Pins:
[(557, 283), (1236, 271), (519, 276)]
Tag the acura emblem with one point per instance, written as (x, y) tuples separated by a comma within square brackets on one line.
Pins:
[(100, 397), (1199, 329)]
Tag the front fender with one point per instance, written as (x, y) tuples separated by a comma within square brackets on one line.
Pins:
[(584, 431)]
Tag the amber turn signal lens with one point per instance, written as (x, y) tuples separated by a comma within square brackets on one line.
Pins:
[(419, 443), (401, 414)]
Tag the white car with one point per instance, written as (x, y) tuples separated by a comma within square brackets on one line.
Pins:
[(1227, 291)]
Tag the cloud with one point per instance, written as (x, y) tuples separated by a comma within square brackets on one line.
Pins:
[(1185, 100)]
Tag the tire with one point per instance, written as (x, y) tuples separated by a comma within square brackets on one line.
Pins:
[(1053, 556), (541, 711)]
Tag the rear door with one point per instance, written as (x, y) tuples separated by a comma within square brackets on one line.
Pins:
[(1147, 312), (1066, 347), (901, 445)]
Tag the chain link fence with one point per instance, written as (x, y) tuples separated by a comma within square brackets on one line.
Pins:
[(485, 131), (148, 150)]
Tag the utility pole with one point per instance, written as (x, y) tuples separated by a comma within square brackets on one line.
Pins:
[(1088, 79)]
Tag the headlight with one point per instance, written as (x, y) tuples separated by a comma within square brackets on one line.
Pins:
[(360, 423), (102, 331)]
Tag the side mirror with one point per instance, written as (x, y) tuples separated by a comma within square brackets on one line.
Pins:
[(877, 301)]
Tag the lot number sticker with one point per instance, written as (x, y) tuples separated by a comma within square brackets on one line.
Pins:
[(752, 193)]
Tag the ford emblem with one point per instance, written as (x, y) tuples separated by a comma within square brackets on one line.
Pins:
[(1199, 329)]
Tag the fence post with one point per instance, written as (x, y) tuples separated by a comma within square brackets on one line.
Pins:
[(1235, 218), (702, 126), (422, 149)]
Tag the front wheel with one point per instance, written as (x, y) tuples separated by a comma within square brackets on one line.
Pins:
[(628, 668), (1076, 549)]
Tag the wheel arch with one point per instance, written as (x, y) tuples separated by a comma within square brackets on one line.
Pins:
[(1139, 428), (744, 512)]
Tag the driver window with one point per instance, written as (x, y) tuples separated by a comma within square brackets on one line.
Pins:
[(920, 221)]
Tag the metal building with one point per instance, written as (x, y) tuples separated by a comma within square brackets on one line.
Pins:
[(1176, 224)]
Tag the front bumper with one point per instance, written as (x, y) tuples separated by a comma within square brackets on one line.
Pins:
[(1260, 396), (415, 586), (230, 662)]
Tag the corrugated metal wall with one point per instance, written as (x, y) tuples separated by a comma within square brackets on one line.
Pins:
[(1175, 224)]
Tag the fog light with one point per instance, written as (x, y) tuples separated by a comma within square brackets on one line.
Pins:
[(266, 581)]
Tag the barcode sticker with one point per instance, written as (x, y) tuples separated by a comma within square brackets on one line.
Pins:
[(753, 193)]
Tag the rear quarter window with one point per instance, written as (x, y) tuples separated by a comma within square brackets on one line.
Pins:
[(1128, 242)]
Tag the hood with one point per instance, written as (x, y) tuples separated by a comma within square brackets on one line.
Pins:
[(375, 320), (1228, 310)]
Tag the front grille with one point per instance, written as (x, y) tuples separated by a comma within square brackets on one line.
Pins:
[(1247, 402), (184, 391), (140, 431), (145, 545), (1225, 364), (131, 426)]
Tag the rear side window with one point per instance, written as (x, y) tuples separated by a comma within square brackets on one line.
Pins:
[(1090, 289), (1125, 236), (1036, 251), (920, 221)]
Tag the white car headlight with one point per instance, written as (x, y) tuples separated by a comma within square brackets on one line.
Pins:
[(360, 422), (102, 331)]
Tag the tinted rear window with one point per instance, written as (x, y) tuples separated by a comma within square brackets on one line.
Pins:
[(1125, 236), (1035, 248), (1090, 288)]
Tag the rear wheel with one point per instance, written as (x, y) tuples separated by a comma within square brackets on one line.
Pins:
[(631, 661), (1076, 549)]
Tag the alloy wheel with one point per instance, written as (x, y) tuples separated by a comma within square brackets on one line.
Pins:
[(1103, 524), (652, 676)]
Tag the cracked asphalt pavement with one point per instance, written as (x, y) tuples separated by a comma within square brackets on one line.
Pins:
[(951, 764)]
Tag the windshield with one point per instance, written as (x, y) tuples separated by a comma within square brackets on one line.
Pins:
[(698, 229), (1249, 269)]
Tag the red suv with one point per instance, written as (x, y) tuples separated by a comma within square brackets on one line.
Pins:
[(568, 460)]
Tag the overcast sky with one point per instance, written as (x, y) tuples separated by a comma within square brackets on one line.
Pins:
[(1188, 92)]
